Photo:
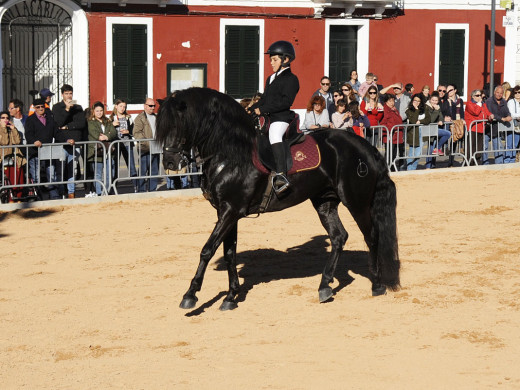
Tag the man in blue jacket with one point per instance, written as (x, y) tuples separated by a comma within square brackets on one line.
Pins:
[(497, 106)]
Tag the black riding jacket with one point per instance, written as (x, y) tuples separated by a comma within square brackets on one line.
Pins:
[(278, 97)]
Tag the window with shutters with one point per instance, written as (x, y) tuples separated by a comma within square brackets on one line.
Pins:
[(129, 48), (242, 63), (451, 58), (129, 58), (452, 55)]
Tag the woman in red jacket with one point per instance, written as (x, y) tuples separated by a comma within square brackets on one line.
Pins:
[(390, 119), (373, 109), (475, 110)]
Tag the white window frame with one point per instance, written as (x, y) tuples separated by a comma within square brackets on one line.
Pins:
[(363, 41), (110, 61), (452, 26), (222, 59)]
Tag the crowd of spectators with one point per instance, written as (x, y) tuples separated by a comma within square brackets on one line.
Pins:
[(66, 122), (360, 107), (363, 107)]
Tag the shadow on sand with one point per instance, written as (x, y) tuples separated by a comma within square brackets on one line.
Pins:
[(303, 261)]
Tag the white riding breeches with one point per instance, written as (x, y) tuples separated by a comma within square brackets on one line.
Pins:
[(276, 131)]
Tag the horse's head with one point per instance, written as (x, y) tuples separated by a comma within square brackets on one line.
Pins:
[(170, 125)]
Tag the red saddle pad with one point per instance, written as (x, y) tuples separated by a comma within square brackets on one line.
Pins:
[(305, 156)]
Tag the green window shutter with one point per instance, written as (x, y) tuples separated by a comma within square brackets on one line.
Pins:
[(241, 70), (342, 53), (451, 58), (130, 62)]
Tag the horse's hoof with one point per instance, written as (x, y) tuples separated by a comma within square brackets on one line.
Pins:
[(228, 305), (379, 290), (188, 303), (325, 294)]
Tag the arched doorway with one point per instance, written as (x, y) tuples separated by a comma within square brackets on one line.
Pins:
[(36, 49)]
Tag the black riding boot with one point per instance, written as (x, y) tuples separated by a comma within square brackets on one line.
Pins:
[(280, 182)]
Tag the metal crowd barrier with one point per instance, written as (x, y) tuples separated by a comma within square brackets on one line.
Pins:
[(60, 164), (47, 167), (140, 175), (426, 139)]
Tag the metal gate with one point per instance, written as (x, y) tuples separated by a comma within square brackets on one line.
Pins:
[(36, 49)]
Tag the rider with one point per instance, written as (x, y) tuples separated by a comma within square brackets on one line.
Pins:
[(279, 94)]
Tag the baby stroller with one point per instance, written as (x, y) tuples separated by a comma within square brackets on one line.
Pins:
[(14, 175)]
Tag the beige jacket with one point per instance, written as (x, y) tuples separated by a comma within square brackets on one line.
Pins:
[(11, 139), (142, 130)]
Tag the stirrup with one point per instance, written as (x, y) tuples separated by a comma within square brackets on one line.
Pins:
[(280, 183)]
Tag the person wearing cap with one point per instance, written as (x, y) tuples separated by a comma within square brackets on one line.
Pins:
[(40, 129), (279, 94), (46, 95)]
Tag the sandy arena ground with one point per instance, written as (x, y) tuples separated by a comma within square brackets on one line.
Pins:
[(89, 296)]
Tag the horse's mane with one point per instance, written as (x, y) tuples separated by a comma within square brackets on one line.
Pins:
[(209, 120)]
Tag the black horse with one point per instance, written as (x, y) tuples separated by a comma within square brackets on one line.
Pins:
[(351, 172)]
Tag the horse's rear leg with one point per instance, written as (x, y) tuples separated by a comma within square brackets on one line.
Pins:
[(364, 222), (328, 211), (226, 222), (230, 255)]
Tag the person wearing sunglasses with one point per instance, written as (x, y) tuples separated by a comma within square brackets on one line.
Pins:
[(476, 110), (349, 95), (40, 129), (9, 135), (453, 110), (374, 111), (317, 115), (324, 92), (149, 151), (441, 89)]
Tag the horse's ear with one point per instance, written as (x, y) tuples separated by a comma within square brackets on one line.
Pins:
[(161, 101)]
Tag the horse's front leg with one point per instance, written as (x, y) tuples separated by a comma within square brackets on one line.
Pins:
[(227, 221), (230, 255)]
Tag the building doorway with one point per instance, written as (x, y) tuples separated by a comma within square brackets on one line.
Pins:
[(343, 44), (36, 49)]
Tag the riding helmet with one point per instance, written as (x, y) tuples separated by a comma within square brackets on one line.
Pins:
[(283, 49)]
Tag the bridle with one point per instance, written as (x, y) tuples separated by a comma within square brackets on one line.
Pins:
[(178, 158)]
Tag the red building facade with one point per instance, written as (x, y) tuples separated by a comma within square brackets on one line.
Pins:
[(397, 44)]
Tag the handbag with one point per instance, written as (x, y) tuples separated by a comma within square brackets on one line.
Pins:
[(457, 130), (104, 145)]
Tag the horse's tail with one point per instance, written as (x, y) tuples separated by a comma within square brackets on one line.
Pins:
[(385, 262)]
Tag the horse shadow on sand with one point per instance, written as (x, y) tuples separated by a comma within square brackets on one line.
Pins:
[(24, 214), (303, 261)]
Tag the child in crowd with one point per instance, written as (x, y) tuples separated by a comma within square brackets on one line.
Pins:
[(341, 119), (365, 85), (359, 121)]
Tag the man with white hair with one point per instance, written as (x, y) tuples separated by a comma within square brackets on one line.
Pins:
[(497, 106), (144, 128)]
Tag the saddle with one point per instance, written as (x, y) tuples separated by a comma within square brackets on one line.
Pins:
[(302, 151)]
